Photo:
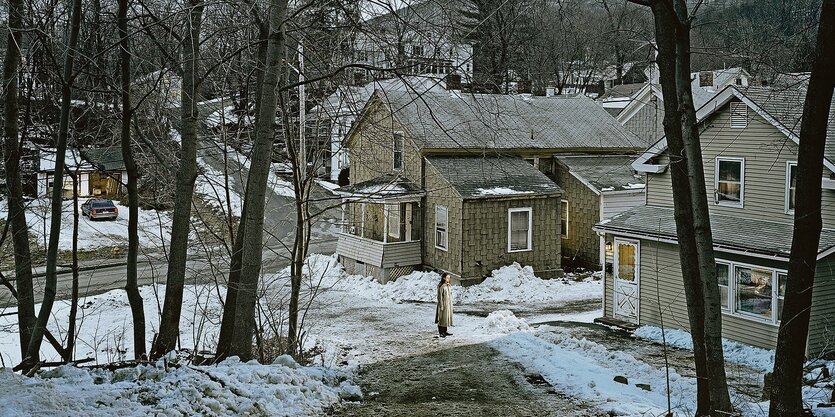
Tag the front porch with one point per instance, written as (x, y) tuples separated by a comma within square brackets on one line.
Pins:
[(381, 228)]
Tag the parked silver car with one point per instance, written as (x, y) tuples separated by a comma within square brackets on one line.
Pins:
[(99, 208)]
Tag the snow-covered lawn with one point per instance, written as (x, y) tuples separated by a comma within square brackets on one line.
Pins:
[(211, 187), (154, 226)]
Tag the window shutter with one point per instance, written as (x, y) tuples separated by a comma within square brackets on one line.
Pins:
[(739, 115)]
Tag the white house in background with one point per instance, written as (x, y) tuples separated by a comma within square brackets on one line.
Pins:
[(423, 38), (101, 177), (336, 115), (644, 115)]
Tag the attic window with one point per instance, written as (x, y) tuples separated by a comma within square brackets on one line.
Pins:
[(739, 115)]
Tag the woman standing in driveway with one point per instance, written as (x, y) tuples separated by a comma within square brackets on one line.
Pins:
[(443, 311)]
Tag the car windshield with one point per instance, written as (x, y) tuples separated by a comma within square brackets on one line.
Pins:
[(102, 204)]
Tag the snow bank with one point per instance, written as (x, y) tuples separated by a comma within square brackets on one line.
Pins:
[(757, 358), (509, 284), (211, 186), (586, 370), (504, 321), (229, 388), (153, 226)]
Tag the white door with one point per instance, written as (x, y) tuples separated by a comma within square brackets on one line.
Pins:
[(627, 279)]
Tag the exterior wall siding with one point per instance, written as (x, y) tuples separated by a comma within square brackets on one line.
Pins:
[(485, 237), (371, 148), (766, 151), (822, 320), (582, 246), (648, 123), (440, 192)]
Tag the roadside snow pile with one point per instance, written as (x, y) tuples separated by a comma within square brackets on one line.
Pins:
[(754, 357), (508, 284), (93, 233), (586, 370), (284, 388), (211, 185), (504, 321)]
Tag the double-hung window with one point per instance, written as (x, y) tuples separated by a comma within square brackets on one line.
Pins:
[(729, 181), (791, 186), (751, 291), (397, 151), (519, 224), (441, 227), (564, 219)]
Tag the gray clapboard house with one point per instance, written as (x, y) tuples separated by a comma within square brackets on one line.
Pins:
[(749, 143), (464, 183)]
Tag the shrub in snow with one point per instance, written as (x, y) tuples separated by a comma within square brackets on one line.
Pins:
[(504, 321)]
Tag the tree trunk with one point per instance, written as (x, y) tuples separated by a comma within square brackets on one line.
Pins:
[(68, 352), (131, 287), (254, 200), (720, 399), (51, 281), (227, 325), (11, 158), (786, 399), (665, 29), (169, 329)]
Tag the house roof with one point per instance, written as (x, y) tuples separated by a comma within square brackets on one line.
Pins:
[(72, 160), (105, 159), (493, 176), (750, 235), (454, 120), (781, 107), (350, 100), (387, 186), (605, 173), (622, 90), (701, 95)]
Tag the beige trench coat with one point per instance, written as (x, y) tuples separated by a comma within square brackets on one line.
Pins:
[(443, 311)]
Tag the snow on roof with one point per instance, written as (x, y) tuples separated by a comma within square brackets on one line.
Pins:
[(72, 160)]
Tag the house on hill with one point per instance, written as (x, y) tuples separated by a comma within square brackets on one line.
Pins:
[(464, 183), (749, 138), (100, 172)]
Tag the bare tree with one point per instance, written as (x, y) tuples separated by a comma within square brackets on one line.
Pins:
[(786, 397), (11, 153), (672, 30)]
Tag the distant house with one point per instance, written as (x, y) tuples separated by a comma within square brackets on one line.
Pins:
[(464, 183), (595, 188), (749, 139), (644, 115), (100, 172), (618, 97)]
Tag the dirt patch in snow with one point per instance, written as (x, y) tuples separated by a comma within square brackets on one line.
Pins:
[(466, 380)]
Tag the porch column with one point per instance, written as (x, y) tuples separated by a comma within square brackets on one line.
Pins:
[(362, 222), (385, 223)]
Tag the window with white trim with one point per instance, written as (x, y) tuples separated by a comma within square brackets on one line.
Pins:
[(564, 219), (791, 185), (397, 151), (519, 225), (729, 183), (751, 291), (739, 115), (441, 227), (393, 220)]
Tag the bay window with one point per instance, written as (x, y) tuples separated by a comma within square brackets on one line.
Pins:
[(751, 291)]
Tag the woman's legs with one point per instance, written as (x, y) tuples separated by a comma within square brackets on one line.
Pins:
[(442, 331)]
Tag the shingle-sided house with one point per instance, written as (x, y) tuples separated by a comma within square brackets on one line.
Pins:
[(595, 188), (101, 172), (749, 138), (463, 183)]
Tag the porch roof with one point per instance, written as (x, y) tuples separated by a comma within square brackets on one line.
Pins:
[(392, 186), (738, 234), (605, 173), (493, 176)]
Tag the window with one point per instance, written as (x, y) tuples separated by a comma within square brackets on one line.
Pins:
[(393, 220), (397, 151), (739, 115), (722, 273), (627, 260), (417, 50), (519, 229), (730, 181), (441, 225), (564, 219), (791, 185), (751, 291)]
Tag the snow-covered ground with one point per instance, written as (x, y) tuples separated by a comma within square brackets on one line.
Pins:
[(355, 322), (211, 187), (154, 226)]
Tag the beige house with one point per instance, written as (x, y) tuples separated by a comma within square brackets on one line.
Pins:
[(749, 139), (463, 183), (595, 188)]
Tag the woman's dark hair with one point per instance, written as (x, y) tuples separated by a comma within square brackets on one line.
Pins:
[(443, 275)]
